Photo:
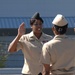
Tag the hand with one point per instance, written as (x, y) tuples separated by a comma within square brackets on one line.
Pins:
[(21, 29)]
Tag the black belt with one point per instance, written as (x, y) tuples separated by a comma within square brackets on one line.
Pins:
[(30, 74), (40, 73)]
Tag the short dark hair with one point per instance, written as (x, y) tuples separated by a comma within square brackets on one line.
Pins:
[(61, 30), (33, 20), (35, 17)]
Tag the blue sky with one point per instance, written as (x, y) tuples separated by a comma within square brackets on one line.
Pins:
[(26, 8)]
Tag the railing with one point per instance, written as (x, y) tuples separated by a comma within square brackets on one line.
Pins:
[(9, 60), (10, 63)]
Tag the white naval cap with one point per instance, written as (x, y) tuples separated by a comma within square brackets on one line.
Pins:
[(59, 20)]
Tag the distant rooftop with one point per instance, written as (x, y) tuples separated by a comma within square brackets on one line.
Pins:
[(14, 22)]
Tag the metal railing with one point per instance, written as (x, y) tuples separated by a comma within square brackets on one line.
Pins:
[(9, 60)]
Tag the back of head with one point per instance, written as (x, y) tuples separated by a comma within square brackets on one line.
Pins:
[(35, 17), (60, 23)]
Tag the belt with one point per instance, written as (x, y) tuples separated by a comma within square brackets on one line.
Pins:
[(30, 74), (40, 73)]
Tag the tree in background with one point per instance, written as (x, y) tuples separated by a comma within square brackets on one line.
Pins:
[(3, 53)]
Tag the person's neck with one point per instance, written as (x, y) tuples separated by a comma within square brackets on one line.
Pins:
[(38, 35)]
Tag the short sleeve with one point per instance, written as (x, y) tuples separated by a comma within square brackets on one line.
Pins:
[(45, 55), (20, 43)]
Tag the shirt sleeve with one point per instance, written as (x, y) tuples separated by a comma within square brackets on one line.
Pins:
[(20, 44), (45, 55)]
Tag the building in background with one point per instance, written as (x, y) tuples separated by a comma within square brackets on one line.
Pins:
[(14, 12)]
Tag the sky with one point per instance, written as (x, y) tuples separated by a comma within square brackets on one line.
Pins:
[(26, 8)]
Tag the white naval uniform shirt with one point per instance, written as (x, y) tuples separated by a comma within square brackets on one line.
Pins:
[(31, 48), (60, 51)]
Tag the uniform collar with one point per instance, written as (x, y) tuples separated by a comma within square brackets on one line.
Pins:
[(31, 35), (60, 36)]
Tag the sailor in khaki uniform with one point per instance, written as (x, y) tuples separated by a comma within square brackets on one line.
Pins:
[(31, 45), (60, 51)]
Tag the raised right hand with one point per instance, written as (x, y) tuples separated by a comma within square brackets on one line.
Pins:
[(21, 29)]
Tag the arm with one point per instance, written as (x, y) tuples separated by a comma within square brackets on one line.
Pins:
[(13, 44), (46, 60), (46, 69)]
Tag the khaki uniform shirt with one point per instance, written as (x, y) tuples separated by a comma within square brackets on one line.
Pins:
[(60, 52), (31, 48)]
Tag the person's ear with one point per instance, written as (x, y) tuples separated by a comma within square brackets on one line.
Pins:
[(74, 29), (53, 28)]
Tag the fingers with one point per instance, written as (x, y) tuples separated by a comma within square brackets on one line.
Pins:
[(21, 29), (22, 24)]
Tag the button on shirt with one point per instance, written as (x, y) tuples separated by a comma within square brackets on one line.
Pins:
[(31, 48), (60, 51)]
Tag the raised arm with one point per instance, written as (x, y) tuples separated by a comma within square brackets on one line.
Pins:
[(13, 44)]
